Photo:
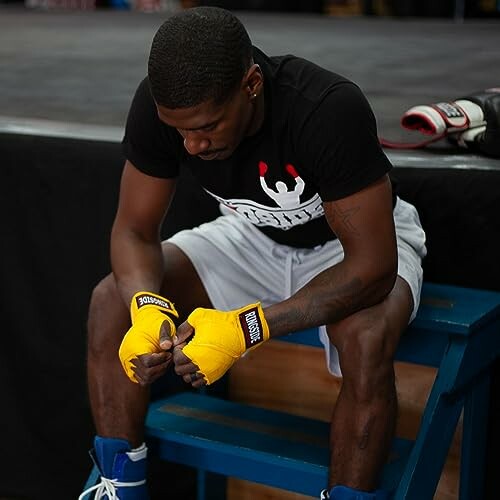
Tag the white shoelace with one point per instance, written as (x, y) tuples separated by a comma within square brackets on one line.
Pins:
[(108, 487)]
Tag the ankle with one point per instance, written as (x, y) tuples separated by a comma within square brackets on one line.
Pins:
[(123, 470)]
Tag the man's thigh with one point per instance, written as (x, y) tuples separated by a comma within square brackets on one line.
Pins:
[(236, 263), (181, 283)]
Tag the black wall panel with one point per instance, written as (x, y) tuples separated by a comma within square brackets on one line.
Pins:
[(57, 202)]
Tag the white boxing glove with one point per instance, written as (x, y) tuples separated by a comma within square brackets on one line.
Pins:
[(444, 118)]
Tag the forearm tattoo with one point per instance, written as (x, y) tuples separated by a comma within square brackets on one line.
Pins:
[(319, 302)]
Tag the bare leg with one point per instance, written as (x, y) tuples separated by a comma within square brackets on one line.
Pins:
[(364, 418), (118, 405)]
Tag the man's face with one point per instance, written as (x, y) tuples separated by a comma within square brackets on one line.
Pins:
[(211, 131)]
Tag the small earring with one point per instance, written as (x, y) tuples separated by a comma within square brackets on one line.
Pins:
[(254, 96)]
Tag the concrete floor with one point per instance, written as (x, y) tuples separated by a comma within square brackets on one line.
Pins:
[(83, 67)]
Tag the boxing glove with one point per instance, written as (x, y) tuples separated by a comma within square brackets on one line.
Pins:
[(444, 118), (220, 338), (149, 312), (485, 139)]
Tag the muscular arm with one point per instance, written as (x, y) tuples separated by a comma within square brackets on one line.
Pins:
[(136, 256), (364, 225)]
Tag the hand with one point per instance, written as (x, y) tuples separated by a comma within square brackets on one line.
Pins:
[(184, 367), (143, 349), (220, 338), (291, 170)]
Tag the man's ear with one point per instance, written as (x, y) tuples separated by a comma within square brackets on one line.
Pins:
[(253, 81)]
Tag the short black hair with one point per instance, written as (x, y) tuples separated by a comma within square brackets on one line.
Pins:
[(197, 55)]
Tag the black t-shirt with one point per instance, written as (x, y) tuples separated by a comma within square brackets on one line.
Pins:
[(318, 142)]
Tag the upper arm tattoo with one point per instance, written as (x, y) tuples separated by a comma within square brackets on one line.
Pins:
[(337, 216)]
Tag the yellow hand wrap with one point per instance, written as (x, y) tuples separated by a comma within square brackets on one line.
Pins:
[(148, 312), (220, 338)]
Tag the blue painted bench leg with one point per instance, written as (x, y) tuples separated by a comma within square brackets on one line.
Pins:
[(437, 428), (210, 486), (473, 455), (201, 478)]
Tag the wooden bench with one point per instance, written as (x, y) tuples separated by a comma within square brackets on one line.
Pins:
[(457, 331)]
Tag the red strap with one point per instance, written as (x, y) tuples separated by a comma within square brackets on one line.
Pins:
[(410, 145)]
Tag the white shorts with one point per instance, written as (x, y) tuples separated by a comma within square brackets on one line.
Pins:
[(238, 264)]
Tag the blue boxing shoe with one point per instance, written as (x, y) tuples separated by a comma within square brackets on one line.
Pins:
[(340, 492), (123, 471)]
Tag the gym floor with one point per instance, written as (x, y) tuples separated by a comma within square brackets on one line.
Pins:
[(83, 66)]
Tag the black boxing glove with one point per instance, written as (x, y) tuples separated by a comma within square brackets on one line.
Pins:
[(483, 139)]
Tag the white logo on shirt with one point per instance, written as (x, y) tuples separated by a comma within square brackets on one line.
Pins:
[(283, 197), (290, 212)]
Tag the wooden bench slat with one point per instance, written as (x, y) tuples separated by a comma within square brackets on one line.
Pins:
[(248, 442)]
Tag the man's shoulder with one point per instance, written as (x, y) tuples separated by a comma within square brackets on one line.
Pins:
[(295, 76), (143, 92), (142, 110)]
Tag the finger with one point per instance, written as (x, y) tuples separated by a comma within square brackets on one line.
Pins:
[(199, 383), (194, 378), (184, 331), (137, 376), (188, 378), (166, 337), (179, 357), (186, 369), (147, 375), (154, 358)]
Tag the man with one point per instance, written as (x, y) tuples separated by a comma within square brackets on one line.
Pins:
[(311, 234)]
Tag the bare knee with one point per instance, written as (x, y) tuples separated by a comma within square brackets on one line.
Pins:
[(108, 318), (367, 342), (366, 353)]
